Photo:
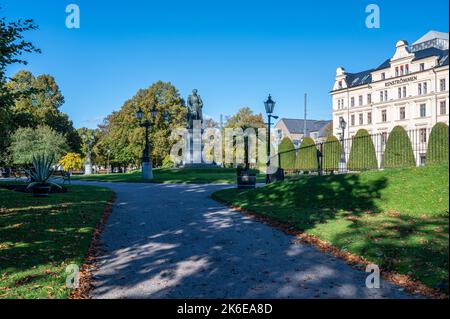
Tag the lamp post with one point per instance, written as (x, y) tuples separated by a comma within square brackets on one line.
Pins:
[(342, 126), (108, 168), (269, 105), (146, 163), (88, 165)]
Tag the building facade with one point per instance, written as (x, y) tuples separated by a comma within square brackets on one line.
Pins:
[(294, 129), (410, 89)]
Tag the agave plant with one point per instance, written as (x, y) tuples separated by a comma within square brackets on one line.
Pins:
[(42, 171)]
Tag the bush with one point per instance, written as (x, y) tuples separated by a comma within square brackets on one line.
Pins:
[(398, 152), (28, 143), (286, 150), (362, 153), (307, 156), (331, 154), (437, 152), (71, 162)]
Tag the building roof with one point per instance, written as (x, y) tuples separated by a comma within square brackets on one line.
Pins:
[(430, 35), (295, 126)]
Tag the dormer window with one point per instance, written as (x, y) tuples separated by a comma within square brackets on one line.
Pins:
[(407, 69), (340, 84), (401, 70), (396, 71), (383, 76), (422, 66)]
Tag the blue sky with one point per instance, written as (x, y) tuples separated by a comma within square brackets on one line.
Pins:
[(234, 52)]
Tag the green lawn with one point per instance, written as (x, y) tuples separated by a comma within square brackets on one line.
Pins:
[(40, 237), (180, 175), (397, 219)]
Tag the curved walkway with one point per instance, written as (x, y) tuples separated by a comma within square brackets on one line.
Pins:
[(173, 241)]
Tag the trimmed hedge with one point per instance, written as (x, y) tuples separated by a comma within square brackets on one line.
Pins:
[(362, 154), (286, 150), (437, 152), (398, 152), (307, 156), (331, 154)]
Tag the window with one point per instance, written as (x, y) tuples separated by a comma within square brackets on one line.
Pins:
[(423, 110), (352, 120), (383, 76), (407, 69), (404, 91), (381, 96), (339, 104), (402, 113), (443, 108), (396, 71), (399, 93), (352, 101), (369, 98), (340, 84), (383, 138), (385, 95), (369, 118), (361, 119), (419, 88), (442, 84), (360, 100), (422, 66), (383, 116), (401, 70), (425, 88), (423, 135)]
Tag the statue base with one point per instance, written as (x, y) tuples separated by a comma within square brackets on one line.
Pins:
[(147, 172)]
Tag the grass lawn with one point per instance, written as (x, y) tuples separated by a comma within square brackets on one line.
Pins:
[(39, 237), (397, 219), (180, 175)]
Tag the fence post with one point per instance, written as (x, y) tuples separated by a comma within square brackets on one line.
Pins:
[(319, 159)]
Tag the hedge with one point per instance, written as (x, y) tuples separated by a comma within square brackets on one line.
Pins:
[(437, 152), (398, 152), (307, 156), (331, 154), (286, 150), (362, 153)]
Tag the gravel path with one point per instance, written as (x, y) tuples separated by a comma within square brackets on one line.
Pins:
[(173, 241)]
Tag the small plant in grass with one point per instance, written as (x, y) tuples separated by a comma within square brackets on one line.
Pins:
[(287, 154), (307, 156), (398, 151), (40, 174), (331, 154), (437, 152), (362, 154)]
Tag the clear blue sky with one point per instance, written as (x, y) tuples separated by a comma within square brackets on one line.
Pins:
[(234, 52)]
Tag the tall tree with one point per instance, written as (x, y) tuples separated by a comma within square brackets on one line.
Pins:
[(12, 46)]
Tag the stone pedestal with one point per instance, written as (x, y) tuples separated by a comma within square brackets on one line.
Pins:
[(147, 172), (88, 169)]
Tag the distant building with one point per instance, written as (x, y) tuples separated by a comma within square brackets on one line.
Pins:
[(294, 129), (409, 89)]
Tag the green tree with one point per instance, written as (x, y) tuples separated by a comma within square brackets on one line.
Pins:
[(331, 153), (437, 152), (286, 151), (12, 46), (362, 153), (30, 142), (307, 155), (398, 152), (124, 136)]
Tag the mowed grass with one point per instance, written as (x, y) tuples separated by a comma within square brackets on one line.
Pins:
[(397, 219), (39, 237), (174, 175)]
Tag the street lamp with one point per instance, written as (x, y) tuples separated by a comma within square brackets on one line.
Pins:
[(88, 165), (146, 163), (269, 105), (342, 126), (108, 169)]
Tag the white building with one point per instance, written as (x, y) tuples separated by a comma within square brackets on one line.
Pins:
[(409, 89), (295, 128)]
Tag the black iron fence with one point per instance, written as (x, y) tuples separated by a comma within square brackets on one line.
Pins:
[(396, 149)]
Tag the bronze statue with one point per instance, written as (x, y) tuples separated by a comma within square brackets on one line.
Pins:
[(194, 106)]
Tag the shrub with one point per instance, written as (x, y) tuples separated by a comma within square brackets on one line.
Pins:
[(71, 161), (307, 155), (286, 150), (437, 152), (331, 153), (398, 152), (362, 153)]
